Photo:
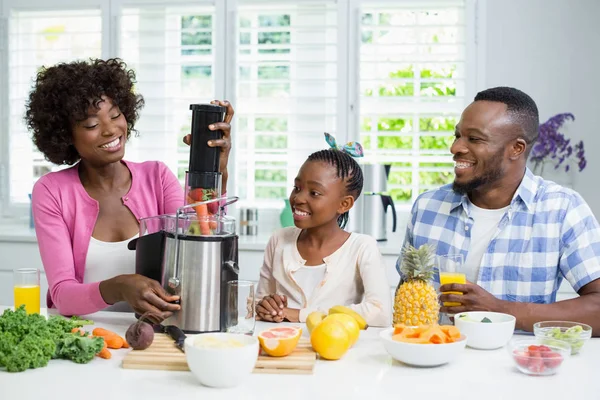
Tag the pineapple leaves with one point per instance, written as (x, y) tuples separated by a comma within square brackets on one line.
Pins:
[(418, 263)]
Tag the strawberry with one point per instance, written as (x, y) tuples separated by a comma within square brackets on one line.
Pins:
[(535, 354), (533, 347), (196, 194), (552, 359), (544, 349), (536, 365), (521, 357)]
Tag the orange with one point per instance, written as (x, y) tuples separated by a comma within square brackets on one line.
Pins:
[(330, 339), (279, 341), (349, 323)]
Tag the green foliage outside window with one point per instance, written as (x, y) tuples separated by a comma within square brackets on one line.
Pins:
[(190, 36), (441, 129)]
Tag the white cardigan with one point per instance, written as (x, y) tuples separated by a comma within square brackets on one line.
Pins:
[(355, 277)]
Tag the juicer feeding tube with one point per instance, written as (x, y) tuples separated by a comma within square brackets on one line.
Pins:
[(174, 281)]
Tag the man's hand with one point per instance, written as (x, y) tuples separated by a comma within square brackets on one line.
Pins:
[(473, 298)]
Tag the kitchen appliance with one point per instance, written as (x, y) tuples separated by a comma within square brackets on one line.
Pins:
[(249, 221), (369, 213), (194, 252)]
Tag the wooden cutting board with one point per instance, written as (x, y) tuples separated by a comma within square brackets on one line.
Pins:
[(163, 355)]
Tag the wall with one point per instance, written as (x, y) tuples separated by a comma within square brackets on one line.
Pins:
[(550, 49)]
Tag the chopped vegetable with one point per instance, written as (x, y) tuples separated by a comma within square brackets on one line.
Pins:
[(571, 336), (486, 319), (31, 341), (203, 211)]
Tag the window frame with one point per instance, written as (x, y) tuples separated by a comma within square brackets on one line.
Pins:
[(8, 209), (473, 60), (225, 47)]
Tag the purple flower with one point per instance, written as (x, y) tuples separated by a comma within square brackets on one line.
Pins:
[(552, 146)]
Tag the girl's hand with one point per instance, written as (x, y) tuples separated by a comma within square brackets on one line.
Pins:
[(291, 314), (270, 308)]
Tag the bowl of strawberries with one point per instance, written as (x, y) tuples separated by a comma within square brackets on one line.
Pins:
[(538, 357)]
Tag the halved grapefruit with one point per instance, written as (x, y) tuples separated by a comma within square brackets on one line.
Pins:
[(279, 341)]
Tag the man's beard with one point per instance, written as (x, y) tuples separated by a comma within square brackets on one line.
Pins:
[(492, 175)]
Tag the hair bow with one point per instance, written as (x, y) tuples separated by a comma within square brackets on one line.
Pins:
[(352, 148)]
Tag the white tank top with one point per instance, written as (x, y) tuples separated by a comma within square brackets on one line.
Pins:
[(485, 224), (106, 260), (308, 278)]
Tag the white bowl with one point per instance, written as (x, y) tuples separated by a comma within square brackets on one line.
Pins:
[(422, 355), (486, 335), (221, 367)]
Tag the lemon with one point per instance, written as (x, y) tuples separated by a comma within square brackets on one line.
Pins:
[(314, 319), (349, 323), (330, 339)]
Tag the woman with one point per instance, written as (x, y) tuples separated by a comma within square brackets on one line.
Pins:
[(81, 114)]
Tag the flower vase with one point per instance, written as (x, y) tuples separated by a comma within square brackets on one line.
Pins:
[(286, 217)]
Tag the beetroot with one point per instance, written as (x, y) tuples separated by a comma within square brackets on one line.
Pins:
[(140, 335)]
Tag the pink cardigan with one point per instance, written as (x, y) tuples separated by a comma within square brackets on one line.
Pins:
[(65, 216)]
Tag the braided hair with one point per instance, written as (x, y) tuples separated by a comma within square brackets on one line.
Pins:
[(347, 169)]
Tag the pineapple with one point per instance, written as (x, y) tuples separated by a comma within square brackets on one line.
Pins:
[(416, 301)]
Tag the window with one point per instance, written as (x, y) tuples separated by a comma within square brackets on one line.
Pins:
[(412, 90), (286, 91), (171, 49), (394, 75), (35, 39)]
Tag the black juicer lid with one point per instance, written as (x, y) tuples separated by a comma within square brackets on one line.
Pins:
[(208, 108)]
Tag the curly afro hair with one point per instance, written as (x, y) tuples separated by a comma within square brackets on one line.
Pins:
[(63, 93)]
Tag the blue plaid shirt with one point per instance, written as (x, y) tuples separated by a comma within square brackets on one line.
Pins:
[(547, 234)]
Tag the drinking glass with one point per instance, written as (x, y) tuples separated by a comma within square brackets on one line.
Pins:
[(451, 270), (27, 289), (240, 307)]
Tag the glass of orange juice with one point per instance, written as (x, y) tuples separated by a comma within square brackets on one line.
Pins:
[(451, 271), (27, 289)]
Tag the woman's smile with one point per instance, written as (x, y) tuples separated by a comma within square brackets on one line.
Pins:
[(113, 146)]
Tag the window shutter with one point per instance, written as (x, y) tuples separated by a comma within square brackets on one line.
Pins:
[(36, 39), (412, 90), (172, 50), (286, 91)]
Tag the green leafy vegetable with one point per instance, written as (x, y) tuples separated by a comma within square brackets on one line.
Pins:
[(486, 319), (31, 341)]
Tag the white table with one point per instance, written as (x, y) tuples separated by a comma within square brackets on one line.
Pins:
[(365, 372)]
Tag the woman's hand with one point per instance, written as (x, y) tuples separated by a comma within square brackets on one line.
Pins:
[(224, 143), (142, 294)]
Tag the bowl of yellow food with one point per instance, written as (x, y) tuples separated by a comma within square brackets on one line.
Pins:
[(221, 360)]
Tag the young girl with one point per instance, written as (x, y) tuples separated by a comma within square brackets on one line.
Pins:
[(316, 265)]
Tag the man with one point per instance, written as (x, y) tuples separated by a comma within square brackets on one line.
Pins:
[(519, 234)]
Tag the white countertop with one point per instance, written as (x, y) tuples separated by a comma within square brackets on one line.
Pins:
[(365, 372)]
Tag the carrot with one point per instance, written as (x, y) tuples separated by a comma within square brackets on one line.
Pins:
[(202, 214), (78, 330), (114, 342), (112, 339), (102, 332), (105, 353)]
